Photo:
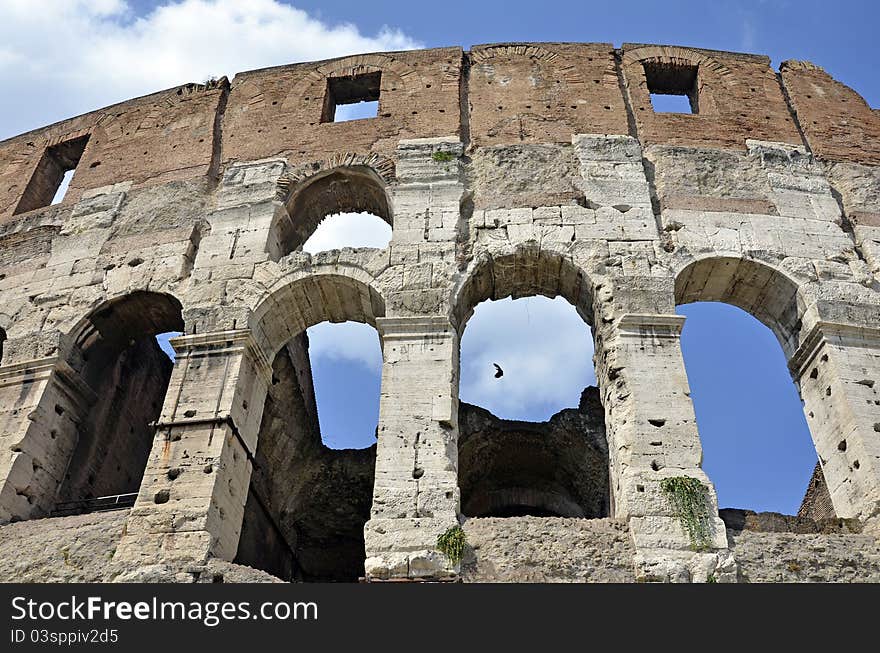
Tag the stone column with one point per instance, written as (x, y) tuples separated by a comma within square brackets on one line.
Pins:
[(43, 402), (652, 435), (415, 496), (191, 501), (837, 367)]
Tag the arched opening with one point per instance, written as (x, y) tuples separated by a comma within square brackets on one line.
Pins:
[(312, 482), (742, 325), (125, 375), (529, 313), (346, 363), (341, 207)]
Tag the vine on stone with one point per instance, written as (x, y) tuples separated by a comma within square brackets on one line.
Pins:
[(690, 502), (452, 543)]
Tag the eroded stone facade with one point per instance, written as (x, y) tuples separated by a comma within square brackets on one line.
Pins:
[(509, 170)]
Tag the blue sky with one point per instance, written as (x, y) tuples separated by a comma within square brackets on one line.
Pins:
[(58, 59)]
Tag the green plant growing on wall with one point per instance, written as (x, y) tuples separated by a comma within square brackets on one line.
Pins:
[(690, 501), (452, 543), (442, 157)]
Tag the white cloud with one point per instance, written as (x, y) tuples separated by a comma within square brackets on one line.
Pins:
[(59, 59), (349, 230), (353, 342), (544, 348)]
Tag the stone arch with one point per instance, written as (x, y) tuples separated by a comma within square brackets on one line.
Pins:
[(111, 324), (93, 409), (114, 353), (306, 297), (557, 468), (526, 270), (307, 504), (762, 290), (348, 183), (768, 294)]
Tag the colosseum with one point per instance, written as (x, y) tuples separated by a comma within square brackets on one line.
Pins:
[(509, 170)]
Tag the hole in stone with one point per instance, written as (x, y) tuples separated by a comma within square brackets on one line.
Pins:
[(656, 466), (189, 413), (162, 496), (657, 422), (841, 446), (814, 374), (173, 473)]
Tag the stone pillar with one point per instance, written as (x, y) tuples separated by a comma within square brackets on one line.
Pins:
[(652, 435), (43, 402), (415, 496), (191, 501), (837, 367)]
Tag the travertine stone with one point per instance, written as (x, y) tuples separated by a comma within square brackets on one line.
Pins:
[(511, 170)]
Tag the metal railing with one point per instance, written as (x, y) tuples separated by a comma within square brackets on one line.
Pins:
[(97, 504)]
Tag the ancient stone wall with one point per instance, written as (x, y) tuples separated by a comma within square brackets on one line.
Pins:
[(556, 468), (511, 169)]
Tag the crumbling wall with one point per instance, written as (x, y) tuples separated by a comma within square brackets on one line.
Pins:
[(80, 548), (837, 122), (817, 501), (769, 557), (555, 468), (155, 139), (547, 550)]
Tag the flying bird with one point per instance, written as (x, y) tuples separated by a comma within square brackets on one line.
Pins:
[(498, 371)]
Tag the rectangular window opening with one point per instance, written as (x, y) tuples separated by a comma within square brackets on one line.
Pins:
[(53, 175), (352, 98), (673, 87)]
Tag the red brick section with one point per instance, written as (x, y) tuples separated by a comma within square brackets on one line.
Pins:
[(543, 92), (515, 93), (277, 111), (739, 98), (838, 124), (162, 137)]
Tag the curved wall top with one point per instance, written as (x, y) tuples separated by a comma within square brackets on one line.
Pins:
[(498, 94)]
